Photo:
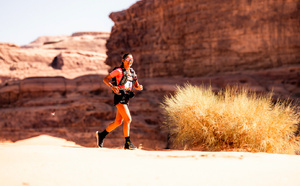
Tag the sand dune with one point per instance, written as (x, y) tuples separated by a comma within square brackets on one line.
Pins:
[(46, 160)]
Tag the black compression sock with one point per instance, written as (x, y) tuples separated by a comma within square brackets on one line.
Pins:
[(127, 139), (104, 133)]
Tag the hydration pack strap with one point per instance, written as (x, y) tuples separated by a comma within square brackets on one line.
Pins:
[(124, 77)]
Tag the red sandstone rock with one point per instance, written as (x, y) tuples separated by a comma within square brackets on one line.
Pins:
[(195, 38), (249, 43), (86, 61), (82, 53), (82, 41), (75, 108)]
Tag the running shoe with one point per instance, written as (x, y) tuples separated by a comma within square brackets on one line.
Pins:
[(100, 139), (129, 146)]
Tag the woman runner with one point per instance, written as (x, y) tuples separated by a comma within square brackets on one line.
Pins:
[(122, 93)]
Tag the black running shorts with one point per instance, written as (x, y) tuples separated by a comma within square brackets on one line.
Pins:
[(123, 99)]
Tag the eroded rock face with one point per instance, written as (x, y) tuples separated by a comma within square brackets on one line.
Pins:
[(75, 108), (79, 54), (86, 61), (250, 43), (84, 41), (191, 38)]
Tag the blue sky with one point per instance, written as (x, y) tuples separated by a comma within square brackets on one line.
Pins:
[(22, 21)]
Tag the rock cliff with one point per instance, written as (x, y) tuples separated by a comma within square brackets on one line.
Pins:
[(191, 38), (54, 84), (81, 53), (75, 108)]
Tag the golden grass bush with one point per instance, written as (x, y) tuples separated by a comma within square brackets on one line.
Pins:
[(233, 119)]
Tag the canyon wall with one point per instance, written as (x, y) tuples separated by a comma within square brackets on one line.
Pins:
[(54, 85), (74, 109), (189, 38)]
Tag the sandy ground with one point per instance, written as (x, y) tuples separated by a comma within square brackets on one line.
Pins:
[(46, 160)]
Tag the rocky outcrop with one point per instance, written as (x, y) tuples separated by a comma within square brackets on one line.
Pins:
[(199, 37), (75, 108), (12, 54), (83, 41), (250, 43), (80, 54), (86, 61)]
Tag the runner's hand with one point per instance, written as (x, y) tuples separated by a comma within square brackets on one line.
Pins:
[(140, 87), (115, 89)]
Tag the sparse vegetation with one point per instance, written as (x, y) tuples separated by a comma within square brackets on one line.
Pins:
[(233, 119)]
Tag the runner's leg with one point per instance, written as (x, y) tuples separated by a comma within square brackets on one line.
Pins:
[(116, 123), (125, 114)]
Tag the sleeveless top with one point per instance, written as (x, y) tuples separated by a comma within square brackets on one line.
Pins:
[(118, 73)]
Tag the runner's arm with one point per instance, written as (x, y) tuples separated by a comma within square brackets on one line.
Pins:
[(137, 85), (106, 81)]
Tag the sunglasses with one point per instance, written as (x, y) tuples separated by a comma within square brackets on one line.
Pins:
[(129, 59)]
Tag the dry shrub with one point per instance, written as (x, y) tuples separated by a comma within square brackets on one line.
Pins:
[(233, 119)]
